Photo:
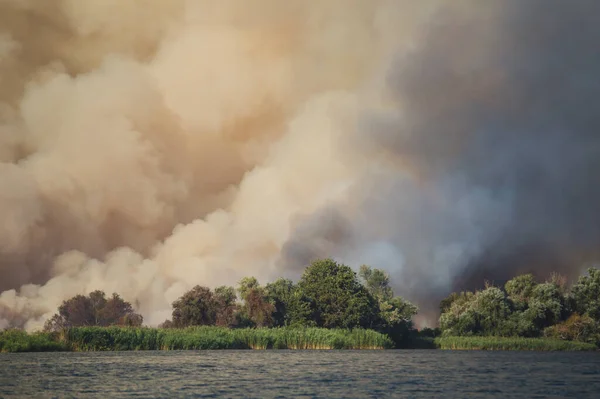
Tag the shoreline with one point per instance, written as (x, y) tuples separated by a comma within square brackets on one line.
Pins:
[(92, 339), (107, 339), (512, 344)]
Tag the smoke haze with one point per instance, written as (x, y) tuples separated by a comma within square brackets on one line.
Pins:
[(146, 148)]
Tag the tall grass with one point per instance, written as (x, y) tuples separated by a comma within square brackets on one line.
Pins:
[(119, 338), (521, 344), (141, 338), (20, 341), (132, 338)]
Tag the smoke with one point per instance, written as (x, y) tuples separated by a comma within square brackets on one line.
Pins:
[(149, 147), (146, 149), (483, 152)]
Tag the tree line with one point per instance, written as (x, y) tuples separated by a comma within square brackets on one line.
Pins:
[(329, 295), (524, 307)]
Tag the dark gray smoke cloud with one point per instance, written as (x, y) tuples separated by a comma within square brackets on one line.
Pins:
[(492, 121), (213, 140)]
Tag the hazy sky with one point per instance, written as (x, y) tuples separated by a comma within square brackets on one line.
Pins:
[(149, 146)]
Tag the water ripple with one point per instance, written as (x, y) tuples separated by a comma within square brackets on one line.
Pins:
[(302, 374)]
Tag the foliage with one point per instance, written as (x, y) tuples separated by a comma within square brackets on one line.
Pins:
[(575, 328), (377, 282), (281, 293), (461, 299), (197, 307), (585, 294), (257, 310), (246, 285), (396, 310), (292, 307), (520, 289), (526, 308), (328, 295), (93, 310), (337, 299), (548, 297), (195, 338), (14, 340), (227, 307), (512, 343), (481, 313)]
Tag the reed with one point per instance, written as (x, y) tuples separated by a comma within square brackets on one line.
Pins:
[(511, 343), (20, 341), (203, 338), (192, 338)]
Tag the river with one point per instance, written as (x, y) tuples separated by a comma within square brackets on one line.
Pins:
[(308, 374)]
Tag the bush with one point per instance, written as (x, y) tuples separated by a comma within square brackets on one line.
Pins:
[(19, 341), (576, 328)]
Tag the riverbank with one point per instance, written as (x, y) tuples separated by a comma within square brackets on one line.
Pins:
[(81, 339), (88, 339), (511, 344)]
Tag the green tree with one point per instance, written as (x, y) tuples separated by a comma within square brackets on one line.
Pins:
[(575, 328), (485, 312), (97, 301), (197, 307), (395, 313), (461, 298), (337, 299), (226, 305), (377, 282), (246, 285), (257, 309), (585, 294), (397, 310), (549, 303), (492, 309), (292, 308), (280, 294), (166, 324), (117, 311), (520, 289), (93, 310)]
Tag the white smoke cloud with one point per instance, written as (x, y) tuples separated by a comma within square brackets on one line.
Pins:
[(146, 152), (146, 149)]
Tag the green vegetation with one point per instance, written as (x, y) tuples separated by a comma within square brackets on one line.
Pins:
[(331, 307), (93, 310), (511, 343), (569, 319), (329, 295), (19, 341), (191, 338)]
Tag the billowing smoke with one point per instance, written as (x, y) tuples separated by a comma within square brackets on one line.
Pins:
[(146, 148), (483, 154)]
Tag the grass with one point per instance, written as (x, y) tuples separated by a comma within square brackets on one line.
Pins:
[(192, 338), (20, 341), (520, 344), (200, 338)]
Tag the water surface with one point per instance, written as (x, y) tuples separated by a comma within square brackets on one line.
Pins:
[(308, 374)]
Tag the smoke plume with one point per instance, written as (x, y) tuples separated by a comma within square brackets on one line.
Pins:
[(146, 148)]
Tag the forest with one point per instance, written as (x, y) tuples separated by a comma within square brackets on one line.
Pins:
[(332, 307)]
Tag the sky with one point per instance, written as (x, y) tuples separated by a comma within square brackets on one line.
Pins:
[(149, 146)]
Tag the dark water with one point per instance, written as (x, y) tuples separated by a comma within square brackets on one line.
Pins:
[(284, 374)]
